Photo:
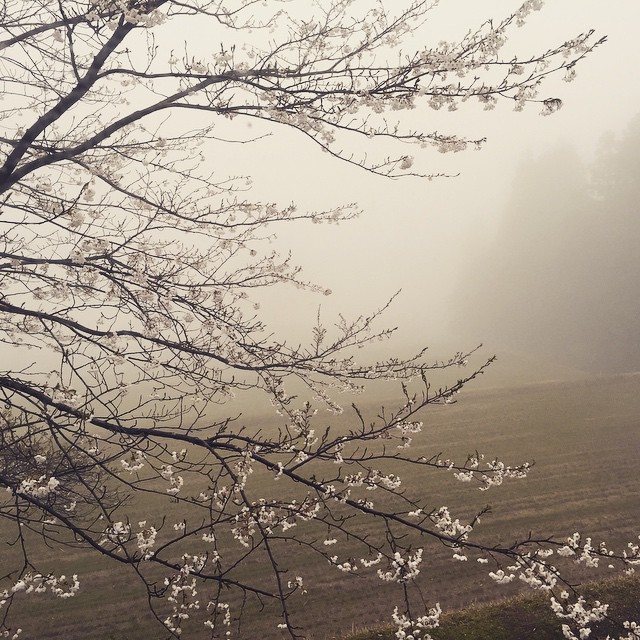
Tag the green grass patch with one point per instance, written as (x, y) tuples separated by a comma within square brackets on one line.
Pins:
[(530, 616)]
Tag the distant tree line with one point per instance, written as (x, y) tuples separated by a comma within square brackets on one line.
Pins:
[(561, 276)]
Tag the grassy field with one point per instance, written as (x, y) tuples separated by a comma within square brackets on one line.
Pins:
[(583, 435)]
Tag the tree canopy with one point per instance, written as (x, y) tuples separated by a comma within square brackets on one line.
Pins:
[(129, 262)]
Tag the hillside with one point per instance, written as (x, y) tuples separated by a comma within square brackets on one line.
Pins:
[(528, 616)]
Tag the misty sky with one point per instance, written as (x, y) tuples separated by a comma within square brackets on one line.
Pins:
[(414, 234)]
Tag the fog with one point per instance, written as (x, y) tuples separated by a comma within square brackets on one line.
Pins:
[(560, 277), (531, 247)]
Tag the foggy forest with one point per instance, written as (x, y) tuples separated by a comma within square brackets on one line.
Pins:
[(560, 277)]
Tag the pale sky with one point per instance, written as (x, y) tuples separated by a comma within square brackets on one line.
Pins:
[(416, 234), (413, 233)]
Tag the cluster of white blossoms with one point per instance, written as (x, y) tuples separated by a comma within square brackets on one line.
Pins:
[(146, 539), (176, 481), (583, 551), (242, 470), (60, 586), (67, 396), (527, 8), (135, 463), (348, 566), (536, 572), (402, 569), (408, 429), (531, 569), (376, 478), (581, 614), (182, 592), (267, 515), (297, 584), (351, 565), (492, 475), (131, 15), (38, 487), (632, 556), (86, 250), (414, 628), (245, 527), (634, 631), (448, 526), (501, 576), (118, 533), (219, 608)]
